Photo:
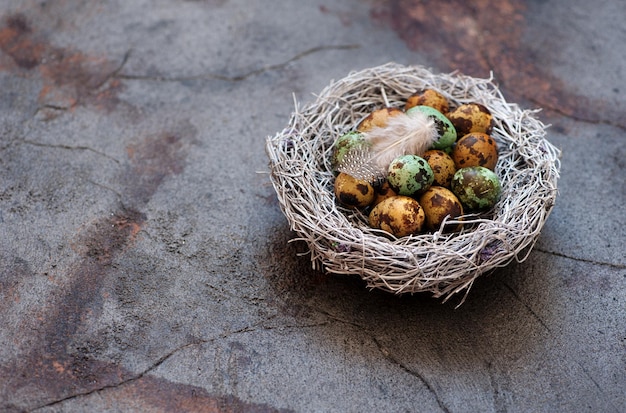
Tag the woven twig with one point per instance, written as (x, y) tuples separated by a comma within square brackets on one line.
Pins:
[(340, 240)]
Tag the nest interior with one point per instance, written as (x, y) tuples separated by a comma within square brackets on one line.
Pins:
[(340, 240)]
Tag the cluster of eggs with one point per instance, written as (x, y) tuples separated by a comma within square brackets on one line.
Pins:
[(423, 191)]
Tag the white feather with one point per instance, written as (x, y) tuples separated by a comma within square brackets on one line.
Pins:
[(403, 135)]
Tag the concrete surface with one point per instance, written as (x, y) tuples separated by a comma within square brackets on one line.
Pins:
[(144, 263)]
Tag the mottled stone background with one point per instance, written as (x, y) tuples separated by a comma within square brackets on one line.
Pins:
[(144, 260)]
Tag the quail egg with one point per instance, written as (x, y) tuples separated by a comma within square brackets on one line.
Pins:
[(399, 215), (378, 118), (445, 129), (344, 144), (409, 175), (438, 203), (352, 192), (476, 149), (428, 97), (442, 165), (478, 188), (471, 117)]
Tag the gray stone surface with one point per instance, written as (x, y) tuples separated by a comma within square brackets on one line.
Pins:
[(144, 260)]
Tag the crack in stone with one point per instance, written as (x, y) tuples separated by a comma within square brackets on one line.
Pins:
[(390, 357), (68, 147), (528, 307), (574, 117), (600, 389), (149, 369), (540, 320), (108, 188), (154, 365), (238, 78), (116, 71), (50, 106), (606, 264), (136, 377)]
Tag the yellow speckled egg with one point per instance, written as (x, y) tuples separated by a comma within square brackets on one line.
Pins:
[(475, 149), (471, 117), (442, 165), (352, 192), (428, 97), (378, 118), (383, 192), (399, 215), (438, 203)]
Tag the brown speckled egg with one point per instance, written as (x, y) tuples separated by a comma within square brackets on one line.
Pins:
[(475, 149), (399, 215), (438, 203), (428, 97), (383, 192), (471, 117), (442, 165), (378, 118), (352, 192)]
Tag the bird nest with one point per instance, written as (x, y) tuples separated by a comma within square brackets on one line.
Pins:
[(340, 240)]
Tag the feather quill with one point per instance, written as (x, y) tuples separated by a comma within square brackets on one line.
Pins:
[(403, 135)]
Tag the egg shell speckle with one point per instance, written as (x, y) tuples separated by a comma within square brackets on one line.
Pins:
[(476, 149), (445, 129), (409, 175), (352, 192), (344, 144), (383, 191), (478, 188), (471, 117), (378, 118), (443, 166), (398, 215), (438, 203), (428, 97)]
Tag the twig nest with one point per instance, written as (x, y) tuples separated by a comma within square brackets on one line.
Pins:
[(443, 263)]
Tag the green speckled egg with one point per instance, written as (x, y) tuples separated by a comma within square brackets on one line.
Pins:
[(343, 145), (478, 188), (447, 133), (410, 175)]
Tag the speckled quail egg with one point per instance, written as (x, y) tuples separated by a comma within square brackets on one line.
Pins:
[(398, 215), (476, 149), (438, 203), (445, 129), (409, 175), (478, 188), (378, 118), (442, 165), (471, 117), (428, 97), (344, 144), (352, 192), (383, 191)]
